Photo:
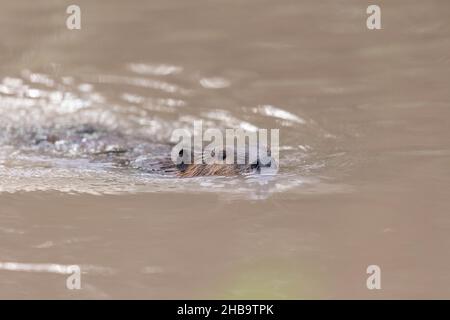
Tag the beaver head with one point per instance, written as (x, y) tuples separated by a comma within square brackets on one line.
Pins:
[(223, 163)]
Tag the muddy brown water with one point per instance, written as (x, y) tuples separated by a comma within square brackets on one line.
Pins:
[(364, 165)]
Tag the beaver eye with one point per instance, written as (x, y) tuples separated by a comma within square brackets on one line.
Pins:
[(181, 153)]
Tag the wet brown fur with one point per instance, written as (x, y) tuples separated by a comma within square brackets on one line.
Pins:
[(197, 170)]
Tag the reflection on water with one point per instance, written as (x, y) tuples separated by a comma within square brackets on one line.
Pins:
[(363, 118)]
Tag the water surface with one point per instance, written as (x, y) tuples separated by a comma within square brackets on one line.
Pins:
[(364, 164)]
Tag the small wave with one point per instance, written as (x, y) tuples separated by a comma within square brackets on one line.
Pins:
[(154, 69)]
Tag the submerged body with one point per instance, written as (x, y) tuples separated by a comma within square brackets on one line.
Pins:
[(109, 146)]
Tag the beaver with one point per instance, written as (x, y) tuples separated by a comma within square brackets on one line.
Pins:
[(121, 150), (220, 166)]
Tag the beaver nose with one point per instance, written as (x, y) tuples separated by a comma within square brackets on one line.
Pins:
[(266, 165), (262, 164)]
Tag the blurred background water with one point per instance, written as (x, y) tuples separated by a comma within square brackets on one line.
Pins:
[(364, 163)]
